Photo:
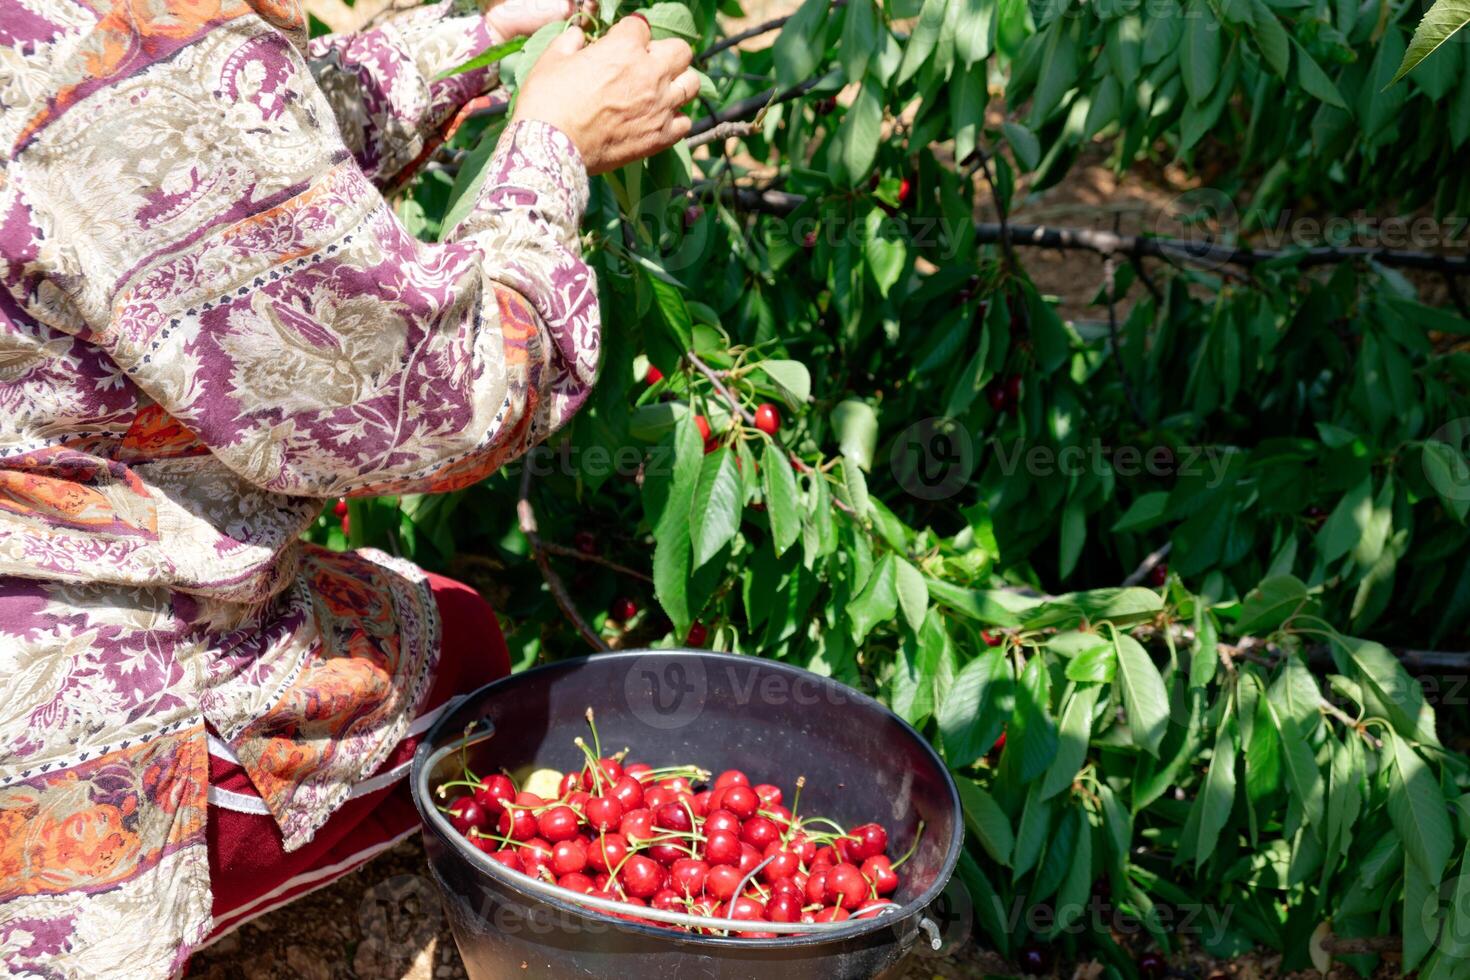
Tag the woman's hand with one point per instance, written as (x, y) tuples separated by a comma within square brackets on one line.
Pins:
[(521, 18), (618, 99)]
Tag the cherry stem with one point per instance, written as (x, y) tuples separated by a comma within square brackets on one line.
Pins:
[(912, 847), (596, 742), (830, 823), (502, 841), (456, 782), (592, 760)]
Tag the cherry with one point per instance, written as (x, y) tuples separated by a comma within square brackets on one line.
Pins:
[(872, 840), (666, 899), (731, 777), (809, 240), (637, 825), (656, 796), (672, 816), (558, 824), (577, 882), (879, 870), (507, 858), (340, 509), (872, 908), (465, 813), (520, 825), (875, 180), (628, 791), (769, 795), (995, 396), (528, 799), (759, 832), (741, 801), (570, 783), (1152, 965), (749, 858), (721, 847), (1158, 576), (1000, 742), (604, 812), (905, 191), (702, 424), (692, 214), (1033, 959), (783, 908), (638, 770), (779, 815), (846, 886), (347, 525), (803, 847), (586, 541), (653, 375), (677, 785), (722, 880), (1013, 388), (535, 853), (666, 853), (697, 635), (643, 876), (701, 804), (687, 875), (721, 820), (745, 908), (992, 639), (607, 852), (790, 886), (782, 863), (816, 887), (826, 855), (825, 105), (568, 856), (768, 418), (833, 914), (622, 609)]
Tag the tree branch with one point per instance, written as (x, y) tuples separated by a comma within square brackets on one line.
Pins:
[(1110, 277), (526, 516), (1148, 563)]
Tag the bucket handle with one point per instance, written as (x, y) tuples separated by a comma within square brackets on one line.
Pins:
[(495, 869)]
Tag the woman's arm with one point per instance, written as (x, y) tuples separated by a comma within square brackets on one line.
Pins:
[(384, 85), (319, 349)]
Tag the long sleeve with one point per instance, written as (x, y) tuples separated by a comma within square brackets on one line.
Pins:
[(232, 258), (384, 85)]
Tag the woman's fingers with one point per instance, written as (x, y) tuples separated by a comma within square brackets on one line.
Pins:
[(632, 29), (685, 87), (671, 55), (567, 42)]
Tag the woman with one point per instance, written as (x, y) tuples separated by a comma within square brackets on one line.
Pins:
[(212, 324)]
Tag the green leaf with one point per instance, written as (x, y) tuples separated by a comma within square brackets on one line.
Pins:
[(666, 20), (913, 594), (1031, 734), (1345, 792), (1073, 736), (1097, 665), (488, 57), (1449, 474), (856, 426), (1440, 23), (1073, 536), (1120, 605), (986, 820), (668, 301), (860, 132), (911, 686), (1344, 527), (1024, 144), (963, 716), (1061, 58), (1218, 795), (884, 250), (1303, 777), (923, 40), (1271, 38), (1400, 696), (798, 49), (859, 38), (783, 504), (990, 607), (877, 603), (1272, 603), (1144, 697), (667, 499), (714, 515), (1312, 78), (792, 378), (1417, 807), (1073, 899), (853, 488), (1146, 511), (466, 190), (972, 32), (1032, 832), (1199, 58)]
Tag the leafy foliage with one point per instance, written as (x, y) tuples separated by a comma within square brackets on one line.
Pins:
[(961, 473)]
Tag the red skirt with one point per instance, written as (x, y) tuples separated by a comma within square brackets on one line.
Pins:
[(250, 871)]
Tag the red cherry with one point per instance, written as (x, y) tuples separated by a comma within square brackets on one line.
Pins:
[(637, 770), (769, 795), (656, 796), (846, 886), (825, 856), (741, 801), (702, 424), (525, 799), (340, 509), (666, 853), (570, 783), (666, 899), (1013, 388), (809, 240), (768, 418), (744, 908), (721, 820), (803, 847), (686, 876), (677, 785), (692, 214), (833, 914), (535, 853), (759, 832), (465, 813), (749, 858), (607, 852), (558, 824), (783, 908), (507, 858), (992, 639), (780, 816), (872, 908), (722, 880), (905, 191), (995, 396), (653, 375), (518, 825), (1158, 576), (673, 816), (637, 825), (701, 804), (731, 777), (879, 870), (816, 887), (782, 864), (568, 856), (721, 847), (1000, 742), (347, 525), (585, 542), (604, 812), (643, 876), (696, 636), (577, 882), (825, 105), (622, 609), (872, 840), (628, 791)]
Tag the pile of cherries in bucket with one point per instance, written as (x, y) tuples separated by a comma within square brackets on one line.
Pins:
[(672, 839)]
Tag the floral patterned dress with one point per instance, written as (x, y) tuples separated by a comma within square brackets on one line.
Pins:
[(211, 323)]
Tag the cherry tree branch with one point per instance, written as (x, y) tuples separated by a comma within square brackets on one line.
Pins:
[(526, 517)]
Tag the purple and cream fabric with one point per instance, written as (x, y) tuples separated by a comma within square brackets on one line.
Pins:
[(212, 322)]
